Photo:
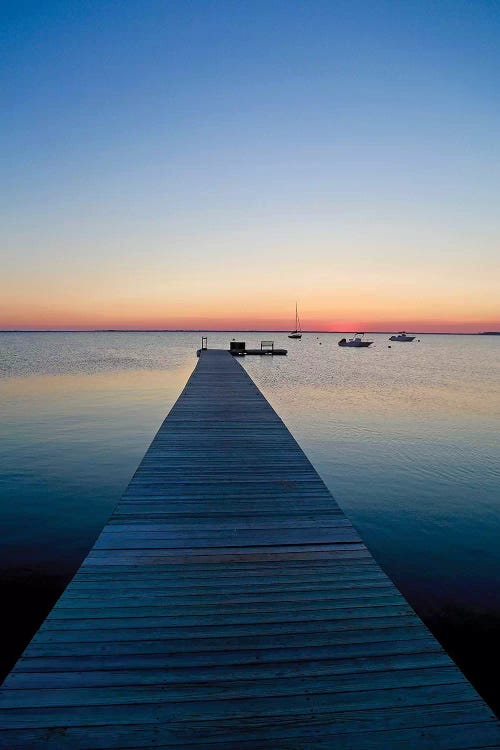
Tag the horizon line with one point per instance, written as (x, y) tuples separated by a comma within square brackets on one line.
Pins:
[(230, 330)]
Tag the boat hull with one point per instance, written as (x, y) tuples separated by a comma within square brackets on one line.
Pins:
[(360, 345), (294, 335)]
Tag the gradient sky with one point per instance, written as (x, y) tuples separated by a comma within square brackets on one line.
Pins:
[(205, 164)]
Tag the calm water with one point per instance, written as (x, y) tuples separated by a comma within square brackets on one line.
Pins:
[(405, 437)]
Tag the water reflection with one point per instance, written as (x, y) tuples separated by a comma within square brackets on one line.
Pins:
[(69, 445), (407, 441), (406, 438)]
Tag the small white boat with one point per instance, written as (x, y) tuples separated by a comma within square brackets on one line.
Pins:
[(401, 336), (297, 333), (356, 341)]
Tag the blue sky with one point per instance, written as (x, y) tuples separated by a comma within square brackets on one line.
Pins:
[(152, 150)]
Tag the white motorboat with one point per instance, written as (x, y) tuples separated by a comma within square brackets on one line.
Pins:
[(401, 336), (297, 333), (356, 341)]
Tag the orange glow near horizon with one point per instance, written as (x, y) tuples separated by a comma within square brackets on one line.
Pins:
[(85, 322), (382, 299)]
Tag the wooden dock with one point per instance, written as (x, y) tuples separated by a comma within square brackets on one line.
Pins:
[(230, 605)]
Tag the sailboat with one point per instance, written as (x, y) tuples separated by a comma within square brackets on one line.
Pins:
[(297, 333)]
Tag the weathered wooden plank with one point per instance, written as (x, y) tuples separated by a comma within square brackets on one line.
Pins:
[(174, 539), (439, 730), (300, 704), (130, 597), (165, 608), (294, 569), (229, 603), (148, 529), (234, 689), (190, 657), (233, 590), (92, 631), (227, 555), (226, 620), (216, 673), (263, 641)]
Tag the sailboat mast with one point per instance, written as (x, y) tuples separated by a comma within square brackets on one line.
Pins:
[(297, 319), (296, 334)]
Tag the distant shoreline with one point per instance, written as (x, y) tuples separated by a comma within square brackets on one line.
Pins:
[(232, 330)]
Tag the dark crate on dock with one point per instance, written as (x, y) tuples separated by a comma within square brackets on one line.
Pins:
[(237, 347)]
